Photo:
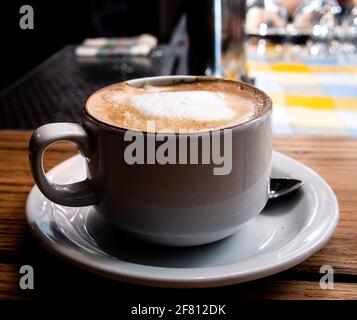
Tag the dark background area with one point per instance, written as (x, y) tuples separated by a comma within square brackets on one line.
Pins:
[(58, 23)]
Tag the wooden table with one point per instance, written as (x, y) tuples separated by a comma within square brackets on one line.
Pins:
[(335, 159)]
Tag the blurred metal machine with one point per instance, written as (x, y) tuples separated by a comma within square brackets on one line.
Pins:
[(216, 37)]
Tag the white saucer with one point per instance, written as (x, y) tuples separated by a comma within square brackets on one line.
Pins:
[(286, 233)]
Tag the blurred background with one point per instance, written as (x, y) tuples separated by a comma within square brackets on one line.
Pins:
[(303, 53), (59, 23)]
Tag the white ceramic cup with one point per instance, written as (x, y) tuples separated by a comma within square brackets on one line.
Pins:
[(171, 204)]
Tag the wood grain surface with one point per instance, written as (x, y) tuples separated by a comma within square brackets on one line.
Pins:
[(335, 159)]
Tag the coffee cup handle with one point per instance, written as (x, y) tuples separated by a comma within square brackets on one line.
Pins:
[(76, 194)]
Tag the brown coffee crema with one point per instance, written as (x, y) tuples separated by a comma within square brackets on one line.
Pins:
[(198, 106)]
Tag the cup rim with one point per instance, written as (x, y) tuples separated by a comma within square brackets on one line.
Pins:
[(178, 79)]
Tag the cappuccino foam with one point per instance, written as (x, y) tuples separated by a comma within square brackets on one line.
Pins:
[(198, 106), (195, 105)]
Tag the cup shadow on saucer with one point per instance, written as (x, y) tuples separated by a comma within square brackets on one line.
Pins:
[(127, 248), (118, 245)]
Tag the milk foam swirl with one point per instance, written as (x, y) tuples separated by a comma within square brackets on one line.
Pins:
[(194, 107)]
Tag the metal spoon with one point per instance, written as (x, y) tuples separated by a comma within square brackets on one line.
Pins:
[(283, 186)]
